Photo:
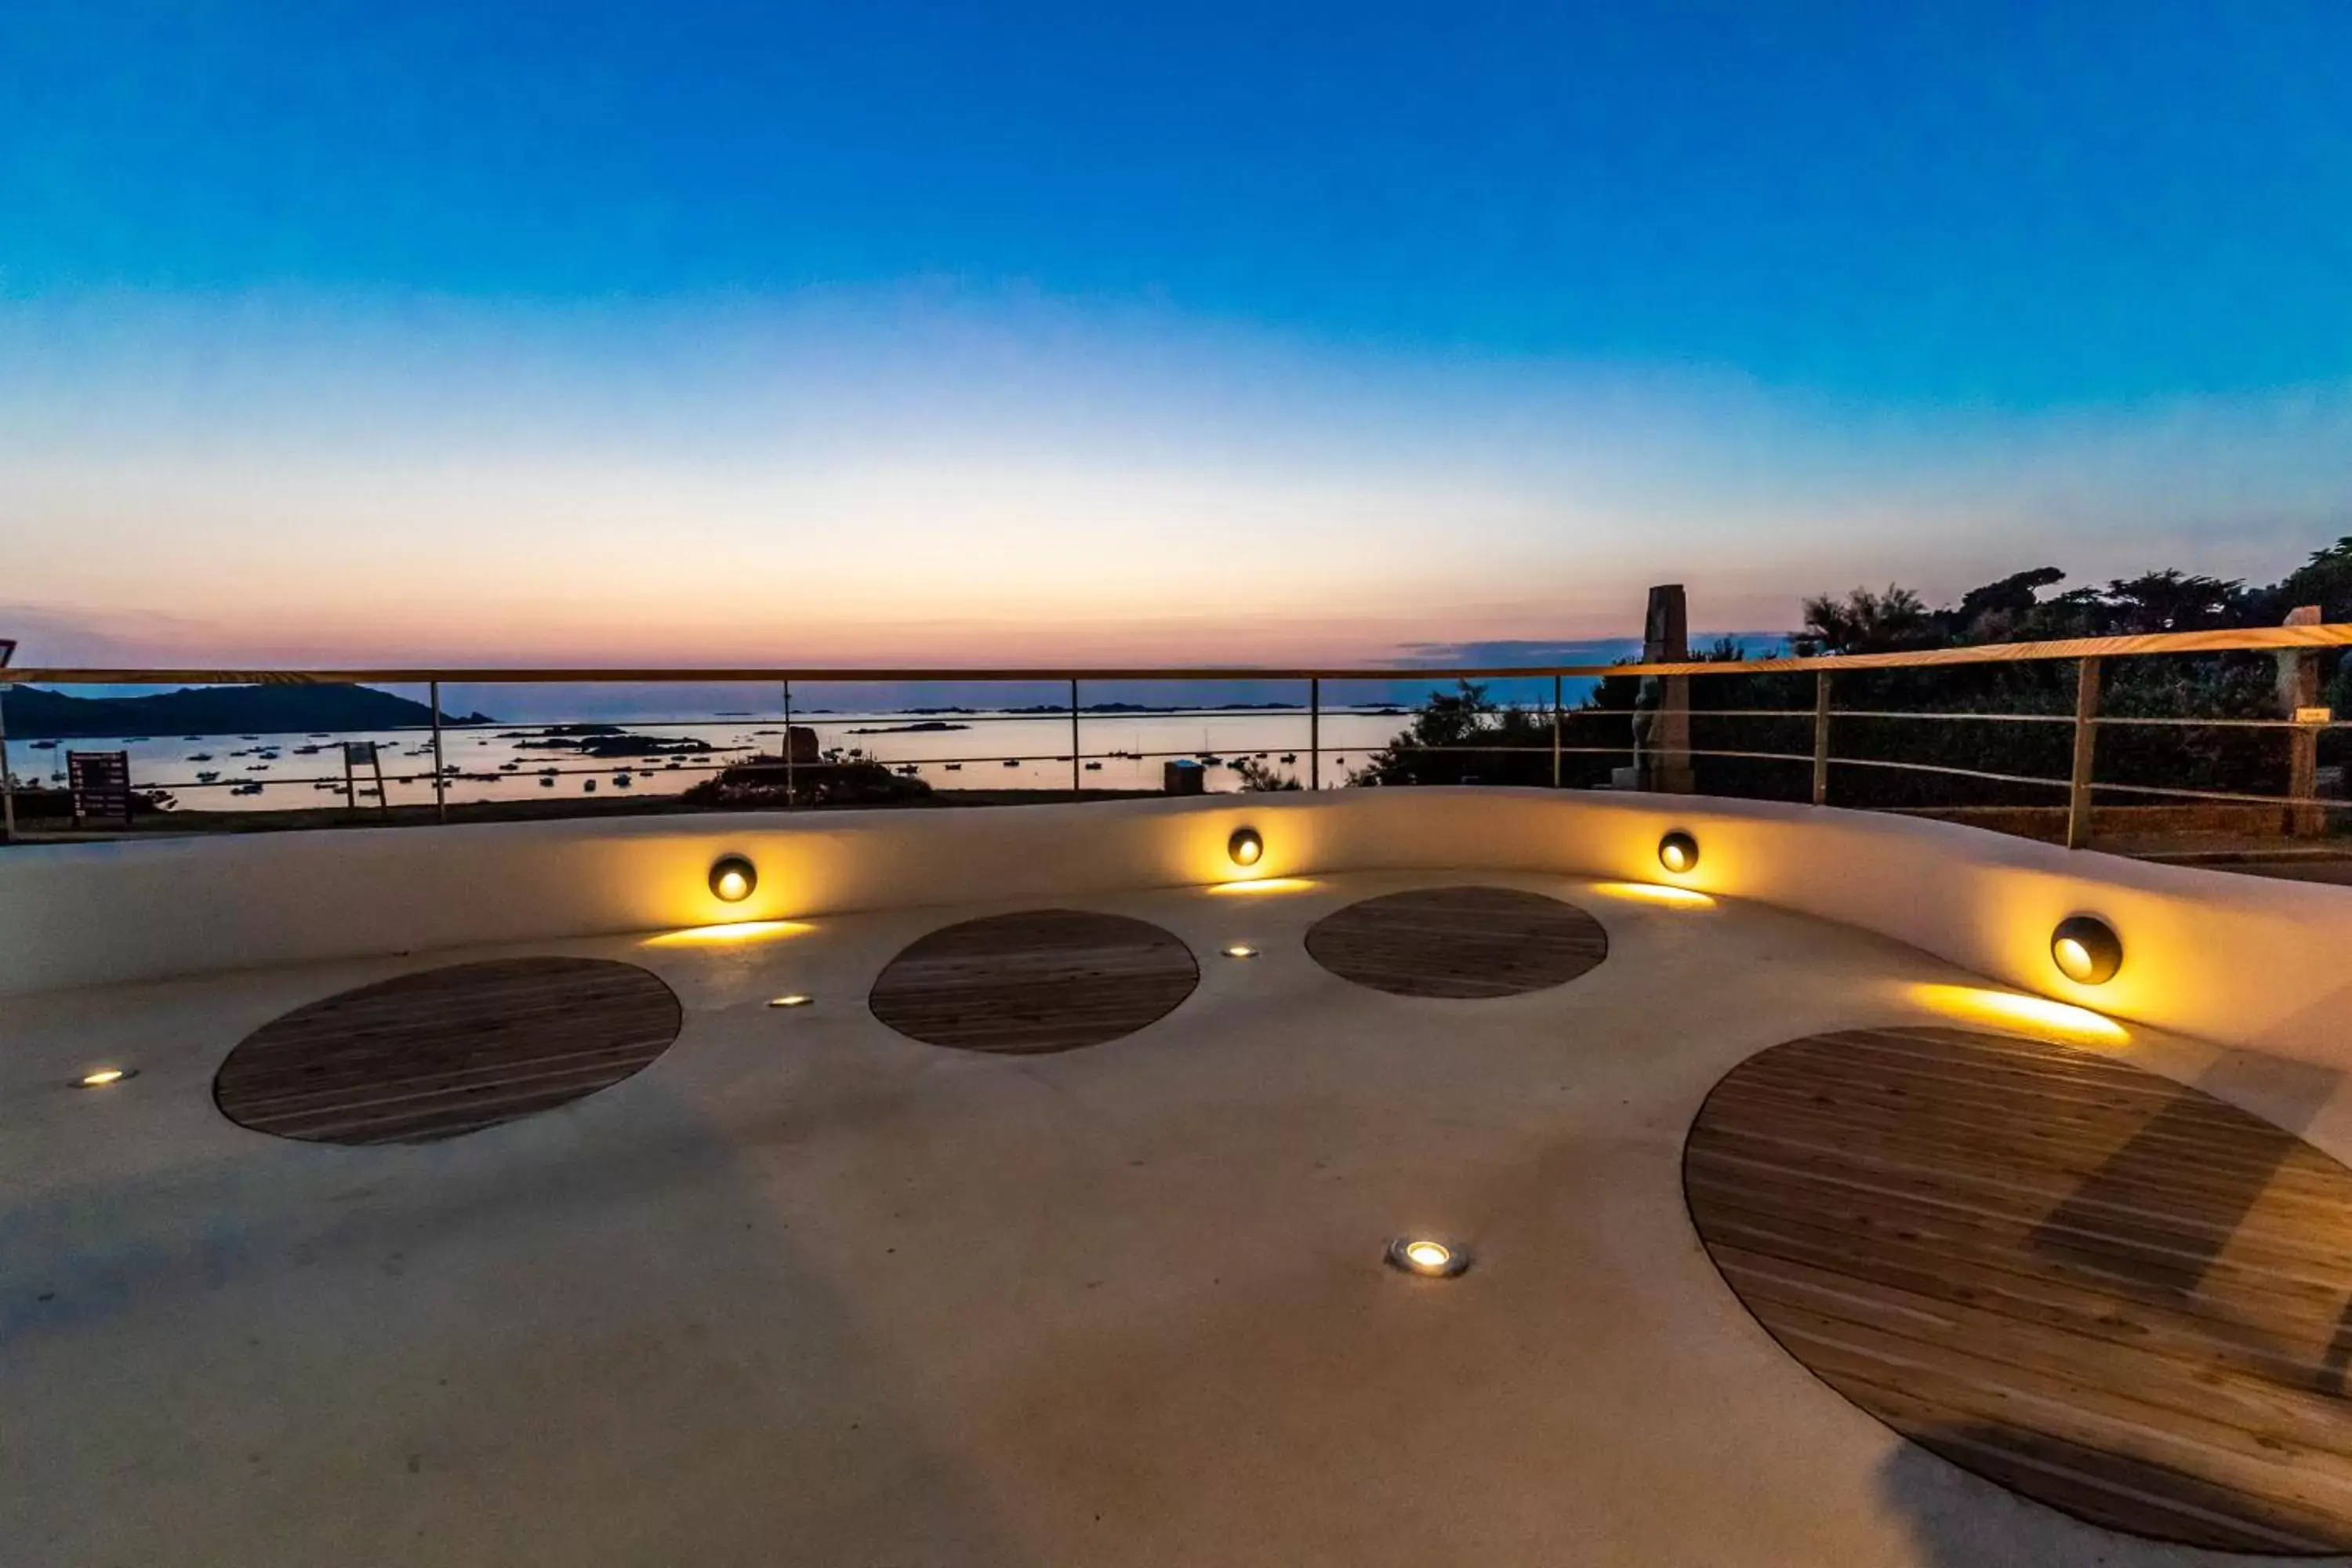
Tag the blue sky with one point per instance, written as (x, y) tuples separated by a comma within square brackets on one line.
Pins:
[(1250, 330)]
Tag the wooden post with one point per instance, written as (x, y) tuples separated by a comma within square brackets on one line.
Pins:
[(440, 784), (2298, 688), (1077, 787), (1822, 737), (1555, 731), (792, 794), (2086, 739), (1315, 733)]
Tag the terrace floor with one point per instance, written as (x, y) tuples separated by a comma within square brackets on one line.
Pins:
[(802, 1288)]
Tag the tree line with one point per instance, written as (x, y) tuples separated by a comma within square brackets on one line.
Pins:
[(1464, 735)]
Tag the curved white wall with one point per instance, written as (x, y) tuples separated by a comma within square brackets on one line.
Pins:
[(2238, 960)]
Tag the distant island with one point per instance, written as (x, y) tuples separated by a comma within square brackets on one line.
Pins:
[(927, 727), (608, 741), (33, 714)]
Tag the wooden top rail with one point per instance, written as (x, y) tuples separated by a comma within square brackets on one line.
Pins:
[(2252, 639)]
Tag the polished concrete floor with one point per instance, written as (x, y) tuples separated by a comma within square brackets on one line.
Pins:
[(805, 1290)]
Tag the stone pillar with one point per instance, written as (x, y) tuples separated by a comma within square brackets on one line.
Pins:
[(1662, 759)]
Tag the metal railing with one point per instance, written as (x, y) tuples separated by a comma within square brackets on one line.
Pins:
[(2297, 646)]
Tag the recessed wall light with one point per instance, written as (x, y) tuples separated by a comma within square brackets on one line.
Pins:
[(791, 999), (1245, 847), (103, 1078), (1427, 1257), (1241, 950), (1678, 851), (732, 877), (2086, 949)]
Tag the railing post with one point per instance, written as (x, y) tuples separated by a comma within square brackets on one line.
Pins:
[(2298, 689), (1822, 737), (1315, 733), (440, 783), (1555, 731), (792, 794), (7, 782), (1076, 786), (2086, 739)]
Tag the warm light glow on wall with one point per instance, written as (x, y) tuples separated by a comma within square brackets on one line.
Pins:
[(1656, 893), (2011, 1010), (735, 931), (1266, 885)]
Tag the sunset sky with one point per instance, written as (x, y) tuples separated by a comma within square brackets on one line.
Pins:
[(870, 333)]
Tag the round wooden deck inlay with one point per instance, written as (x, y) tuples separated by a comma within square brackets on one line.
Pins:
[(1043, 980), (1460, 942), (431, 1055), (2110, 1292)]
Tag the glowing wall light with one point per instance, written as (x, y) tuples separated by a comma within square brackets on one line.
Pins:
[(1678, 851), (104, 1078), (1240, 950), (2086, 949), (791, 999), (732, 877), (1245, 847), (1427, 1257)]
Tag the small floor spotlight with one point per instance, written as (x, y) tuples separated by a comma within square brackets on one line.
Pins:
[(1245, 847), (732, 877), (104, 1078), (791, 999), (1241, 950), (2086, 949), (1678, 851), (1428, 1258)]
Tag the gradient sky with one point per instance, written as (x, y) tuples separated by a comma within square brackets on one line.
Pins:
[(691, 332)]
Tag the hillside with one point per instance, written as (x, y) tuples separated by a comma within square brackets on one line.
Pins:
[(33, 714)]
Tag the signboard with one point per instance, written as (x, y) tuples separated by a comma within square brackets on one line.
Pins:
[(2314, 715), (101, 787)]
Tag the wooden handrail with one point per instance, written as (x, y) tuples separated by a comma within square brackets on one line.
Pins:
[(2243, 640)]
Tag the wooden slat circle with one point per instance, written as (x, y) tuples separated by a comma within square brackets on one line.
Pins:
[(1043, 980), (1460, 942), (444, 1051), (2106, 1290)]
